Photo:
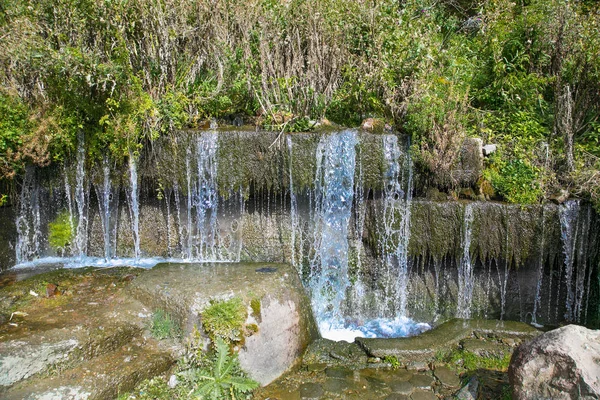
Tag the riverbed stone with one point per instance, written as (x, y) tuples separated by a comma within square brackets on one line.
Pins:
[(560, 364), (285, 324), (446, 376), (401, 387), (337, 372), (422, 381), (421, 394), (397, 396), (311, 391), (335, 385), (332, 353), (486, 348)]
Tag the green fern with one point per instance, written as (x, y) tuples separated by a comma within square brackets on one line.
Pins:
[(224, 380)]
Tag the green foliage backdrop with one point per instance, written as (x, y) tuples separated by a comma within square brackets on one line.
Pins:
[(522, 74)]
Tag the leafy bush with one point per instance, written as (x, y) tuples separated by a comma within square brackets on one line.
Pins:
[(220, 378), (516, 180)]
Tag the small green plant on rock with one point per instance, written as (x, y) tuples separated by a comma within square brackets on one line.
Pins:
[(163, 326), (220, 378), (60, 232), (393, 361), (225, 319)]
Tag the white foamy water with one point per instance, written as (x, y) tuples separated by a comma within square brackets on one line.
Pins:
[(375, 328), (80, 262)]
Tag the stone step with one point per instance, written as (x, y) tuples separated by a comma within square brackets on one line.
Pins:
[(104, 377), (443, 337)]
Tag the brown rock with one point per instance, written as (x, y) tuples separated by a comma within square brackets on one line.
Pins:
[(51, 290), (560, 364)]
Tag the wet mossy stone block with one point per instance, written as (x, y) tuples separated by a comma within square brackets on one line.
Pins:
[(285, 325), (443, 337)]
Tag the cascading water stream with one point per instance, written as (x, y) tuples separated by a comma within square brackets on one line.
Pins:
[(207, 199), (81, 232), (465, 268), (396, 227), (69, 199), (540, 275), (104, 197), (28, 220), (334, 189), (134, 205), (295, 225), (569, 215), (187, 243)]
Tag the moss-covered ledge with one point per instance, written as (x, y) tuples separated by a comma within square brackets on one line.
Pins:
[(499, 231), (258, 160)]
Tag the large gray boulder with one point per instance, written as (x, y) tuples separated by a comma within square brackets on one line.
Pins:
[(560, 364), (276, 300)]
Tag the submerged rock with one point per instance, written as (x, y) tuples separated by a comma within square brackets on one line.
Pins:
[(560, 364)]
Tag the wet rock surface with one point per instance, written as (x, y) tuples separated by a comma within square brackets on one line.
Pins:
[(560, 364), (444, 365), (285, 322), (84, 341), (444, 336)]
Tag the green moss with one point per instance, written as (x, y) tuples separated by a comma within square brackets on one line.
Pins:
[(225, 319), (60, 233), (470, 362), (163, 326), (255, 306)]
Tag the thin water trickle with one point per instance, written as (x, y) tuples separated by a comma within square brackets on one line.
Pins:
[(569, 215), (206, 199), (69, 199), (134, 205), (465, 267), (28, 219), (295, 223), (540, 272), (81, 200), (395, 234), (104, 196)]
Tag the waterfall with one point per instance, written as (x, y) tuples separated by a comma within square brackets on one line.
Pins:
[(206, 197), (569, 215), (293, 211), (134, 206), (81, 199), (465, 268), (103, 194), (582, 264), (28, 220), (540, 274), (69, 199), (187, 243), (396, 227), (334, 190)]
